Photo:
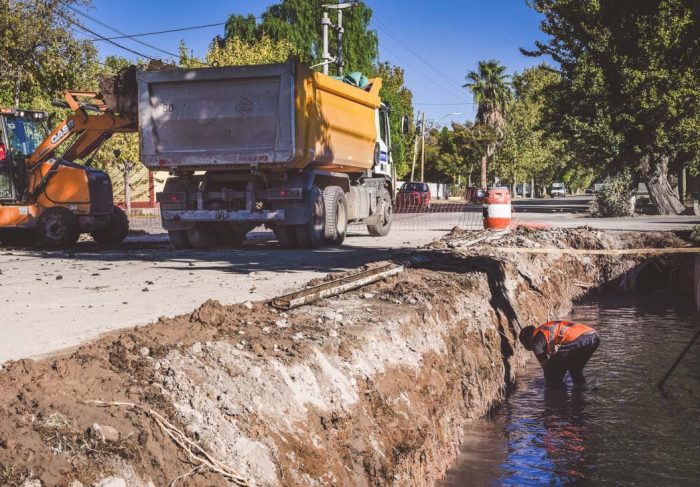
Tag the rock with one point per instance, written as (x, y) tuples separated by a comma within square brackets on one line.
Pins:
[(145, 290), (59, 277), (103, 432), (297, 336), (75, 483), (196, 348), (368, 295), (111, 482), (333, 334), (282, 323), (412, 300), (266, 329), (248, 305), (144, 351), (31, 483)]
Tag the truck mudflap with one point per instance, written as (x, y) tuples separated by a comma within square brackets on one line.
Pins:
[(194, 216)]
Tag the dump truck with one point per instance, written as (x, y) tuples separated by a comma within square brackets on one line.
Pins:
[(278, 145)]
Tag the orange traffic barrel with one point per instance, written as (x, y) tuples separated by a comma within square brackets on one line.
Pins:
[(497, 209)]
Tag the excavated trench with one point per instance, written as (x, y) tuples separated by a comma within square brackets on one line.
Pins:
[(372, 387)]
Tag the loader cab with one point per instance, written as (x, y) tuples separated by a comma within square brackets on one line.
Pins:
[(382, 155), (21, 133)]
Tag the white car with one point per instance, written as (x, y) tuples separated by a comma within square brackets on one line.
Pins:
[(557, 189)]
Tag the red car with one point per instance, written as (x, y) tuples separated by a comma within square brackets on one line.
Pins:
[(413, 196)]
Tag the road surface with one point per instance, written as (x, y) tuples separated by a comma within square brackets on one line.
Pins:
[(57, 299)]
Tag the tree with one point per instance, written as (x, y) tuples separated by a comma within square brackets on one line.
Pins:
[(630, 86), (39, 55), (299, 22), (400, 100), (528, 148), (491, 90)]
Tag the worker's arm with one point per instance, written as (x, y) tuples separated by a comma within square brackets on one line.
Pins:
[(539, 347)]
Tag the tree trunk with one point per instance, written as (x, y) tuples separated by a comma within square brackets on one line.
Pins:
[(662, 195), (483, 172)]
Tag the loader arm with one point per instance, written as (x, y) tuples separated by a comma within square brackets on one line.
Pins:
[(90, 130)]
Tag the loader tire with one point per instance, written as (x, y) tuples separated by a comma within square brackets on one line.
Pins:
[(336, 215), (311, 234), (58, 227), (202, 236), (179, 240), (381, 224), (115, 231)]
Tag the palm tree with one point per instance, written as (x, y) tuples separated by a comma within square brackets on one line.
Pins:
[(491, 89)]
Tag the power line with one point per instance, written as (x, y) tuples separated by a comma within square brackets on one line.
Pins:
[(446, 104), (99, 22), (168, 31), (446, 88), (409, 49), (82, 27)]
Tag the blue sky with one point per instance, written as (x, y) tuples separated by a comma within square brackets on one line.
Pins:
[(451, 35)]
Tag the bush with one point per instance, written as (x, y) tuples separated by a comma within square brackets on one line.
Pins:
[(615, 198), (695, 235)]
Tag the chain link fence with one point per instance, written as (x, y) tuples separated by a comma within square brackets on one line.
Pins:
[(439, 216)]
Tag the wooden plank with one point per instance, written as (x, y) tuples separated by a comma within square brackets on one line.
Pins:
[(335, 287)]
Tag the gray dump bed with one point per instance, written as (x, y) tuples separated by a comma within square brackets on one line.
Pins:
[(217, 117)]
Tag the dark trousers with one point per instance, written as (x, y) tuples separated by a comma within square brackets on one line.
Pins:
[(572, 357)]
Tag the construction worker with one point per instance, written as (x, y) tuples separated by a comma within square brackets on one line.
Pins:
[(561, 346)]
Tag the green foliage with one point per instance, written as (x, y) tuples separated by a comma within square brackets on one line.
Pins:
[(299, 22), (527, 150), (491, 90), (39, 55), (614, 199), (239, 52), (629, 90), (400, 99)]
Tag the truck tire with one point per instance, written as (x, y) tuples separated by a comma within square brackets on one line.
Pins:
[(381, 225), (311, 234), (336, 215), (178, 238), (58, 227), (202, 236), (286, 236), (115, 231)]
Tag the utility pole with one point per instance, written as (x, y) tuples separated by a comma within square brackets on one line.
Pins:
[(415, 151), (339, 31), (422, 151)]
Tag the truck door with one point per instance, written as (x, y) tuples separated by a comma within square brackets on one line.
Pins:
[(382, 163)]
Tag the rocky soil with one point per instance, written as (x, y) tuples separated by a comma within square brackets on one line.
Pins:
[(372, 387)]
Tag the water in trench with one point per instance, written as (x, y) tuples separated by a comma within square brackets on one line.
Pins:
[(621, 431)]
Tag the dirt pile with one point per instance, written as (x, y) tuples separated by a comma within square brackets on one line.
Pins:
[(372, 387)]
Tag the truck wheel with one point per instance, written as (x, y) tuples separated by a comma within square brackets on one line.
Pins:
[(179, 239), (336, 214), (115, 231), (382, 224), (310, 235), (286, 236), (202, 236), (58, 227)]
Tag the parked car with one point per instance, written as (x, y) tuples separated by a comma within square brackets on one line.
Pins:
[(594, 189), (557, 189), (413, 196)]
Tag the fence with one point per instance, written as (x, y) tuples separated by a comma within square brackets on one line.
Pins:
[(440, 216)]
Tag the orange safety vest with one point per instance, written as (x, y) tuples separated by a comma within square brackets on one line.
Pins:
[(560, 333)]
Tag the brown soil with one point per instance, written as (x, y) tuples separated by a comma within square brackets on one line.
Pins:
[(372, 387)]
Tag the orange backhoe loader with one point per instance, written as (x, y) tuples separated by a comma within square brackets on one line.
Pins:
[(52, 198)]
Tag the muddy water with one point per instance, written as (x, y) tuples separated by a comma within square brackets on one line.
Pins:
[(621, 431)]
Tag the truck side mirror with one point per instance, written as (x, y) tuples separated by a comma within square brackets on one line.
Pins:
[(405, 126)]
